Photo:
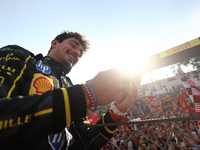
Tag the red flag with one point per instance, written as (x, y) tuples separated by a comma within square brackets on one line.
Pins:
[(149, 99), (182, 101), (155, 106), (192, 90), (187, 93), (185, 105), (135, 111), (95, 118), (190, 109), (174, 107)]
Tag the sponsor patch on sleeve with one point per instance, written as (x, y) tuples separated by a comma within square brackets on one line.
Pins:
[(40, 84)]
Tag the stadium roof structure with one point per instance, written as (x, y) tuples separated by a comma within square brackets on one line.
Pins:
[(174, 55)]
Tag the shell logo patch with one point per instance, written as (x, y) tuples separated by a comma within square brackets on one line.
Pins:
[(41, 84)]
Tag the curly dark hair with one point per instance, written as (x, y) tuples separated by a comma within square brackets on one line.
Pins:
[(67, 34)]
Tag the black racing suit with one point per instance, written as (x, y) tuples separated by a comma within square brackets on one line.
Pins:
[(37, 99)]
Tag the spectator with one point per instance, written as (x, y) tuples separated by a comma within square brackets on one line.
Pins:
[(159, 132)]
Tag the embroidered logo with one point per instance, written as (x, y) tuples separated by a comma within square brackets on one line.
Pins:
[(42, 84), (44, 68)]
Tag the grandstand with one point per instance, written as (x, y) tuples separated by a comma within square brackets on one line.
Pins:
[(168, 85)]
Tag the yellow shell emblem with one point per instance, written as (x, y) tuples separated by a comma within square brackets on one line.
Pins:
[(42, 84)]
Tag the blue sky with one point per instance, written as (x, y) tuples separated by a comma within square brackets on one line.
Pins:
[(120, 32)]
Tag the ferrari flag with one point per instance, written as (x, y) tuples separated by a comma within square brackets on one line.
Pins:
[(155, 106), (174, 107), (148, 99), (185, 105), (192, 89)]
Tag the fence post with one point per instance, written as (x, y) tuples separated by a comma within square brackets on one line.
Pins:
[(170, 134)]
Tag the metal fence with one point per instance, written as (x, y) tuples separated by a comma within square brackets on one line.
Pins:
[(173, 128)]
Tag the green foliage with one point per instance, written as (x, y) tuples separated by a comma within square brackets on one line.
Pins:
[(193, 62)]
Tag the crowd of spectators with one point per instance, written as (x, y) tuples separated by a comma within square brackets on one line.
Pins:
[(126, 138)]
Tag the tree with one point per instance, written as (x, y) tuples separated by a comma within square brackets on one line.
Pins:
[(191, 62)]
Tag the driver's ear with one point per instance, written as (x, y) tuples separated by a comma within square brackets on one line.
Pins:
[(54, 43)]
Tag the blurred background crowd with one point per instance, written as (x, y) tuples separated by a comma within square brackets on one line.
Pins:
[(126, 139), (166, 98)]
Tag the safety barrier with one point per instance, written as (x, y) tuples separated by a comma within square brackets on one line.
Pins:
[(174, 128)]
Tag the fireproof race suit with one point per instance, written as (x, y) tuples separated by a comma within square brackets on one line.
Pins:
[(37, 102)]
